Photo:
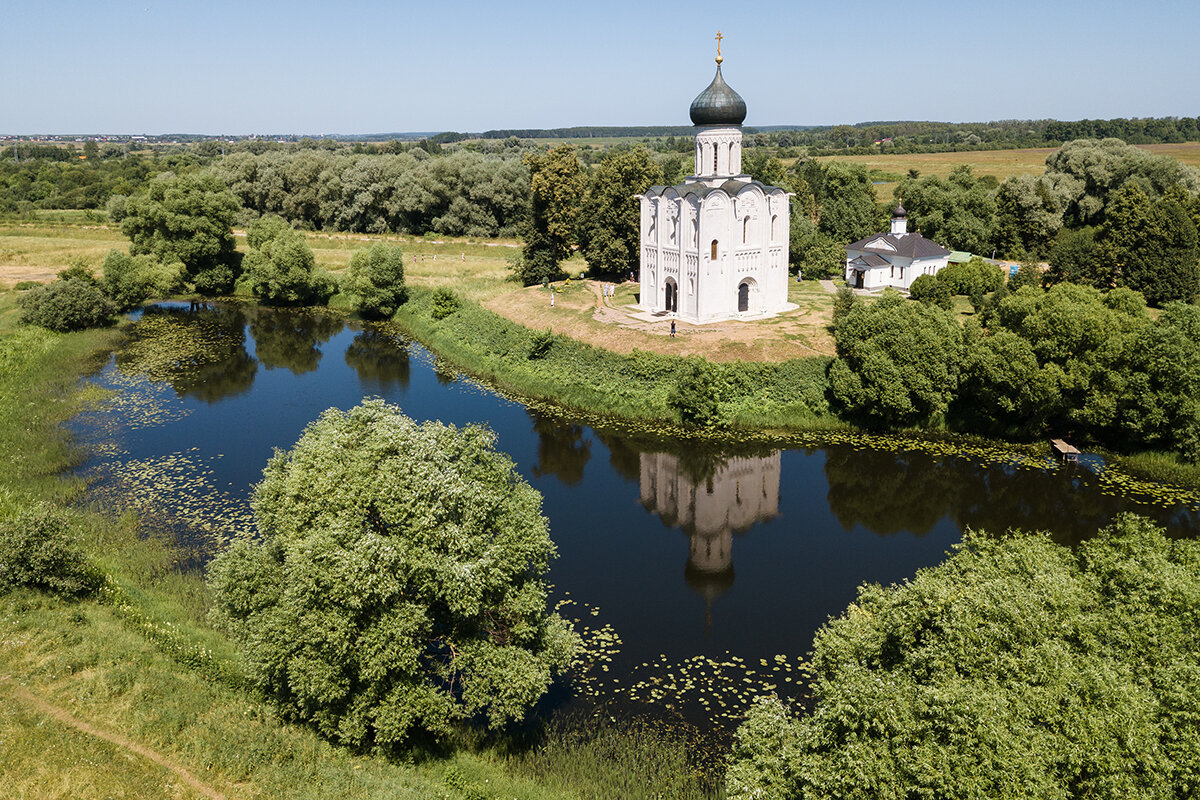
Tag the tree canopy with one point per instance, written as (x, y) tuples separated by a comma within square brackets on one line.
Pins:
[(376, 280), (281, 267), (556, 186), (1018, 668), (189, 219), (397, 584), (608, 232)]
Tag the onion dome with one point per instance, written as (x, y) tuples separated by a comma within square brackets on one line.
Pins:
[(718, 104), (899, 212)]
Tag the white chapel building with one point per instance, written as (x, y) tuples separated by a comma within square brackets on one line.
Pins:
[(715, 247), (893, 259)]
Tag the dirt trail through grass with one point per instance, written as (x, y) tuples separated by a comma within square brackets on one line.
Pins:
[(28, 698)]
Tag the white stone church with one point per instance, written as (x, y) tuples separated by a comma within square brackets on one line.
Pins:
[(715, 247), (894, 259)]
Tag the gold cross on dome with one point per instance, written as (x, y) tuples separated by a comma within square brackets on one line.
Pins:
[(719, 37)]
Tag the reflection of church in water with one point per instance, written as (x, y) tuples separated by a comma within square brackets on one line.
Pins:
[(711, 508)]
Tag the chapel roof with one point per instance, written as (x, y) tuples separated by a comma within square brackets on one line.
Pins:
[(910, 245), (870, 260), (702, 190), (718, 104)]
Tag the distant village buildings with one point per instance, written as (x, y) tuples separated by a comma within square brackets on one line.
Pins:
[(894, 259), (715, 247)]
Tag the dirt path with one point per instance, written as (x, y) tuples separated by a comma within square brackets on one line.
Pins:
[(60, 714)]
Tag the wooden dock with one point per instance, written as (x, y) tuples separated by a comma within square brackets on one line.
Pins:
[(1065, 451)]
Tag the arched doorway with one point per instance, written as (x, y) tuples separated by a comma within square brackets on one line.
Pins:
[(671, 296), (747, 296)]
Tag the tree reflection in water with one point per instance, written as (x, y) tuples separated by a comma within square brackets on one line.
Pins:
[(562, 449), (201, 353), (289, 338), (909, 492), (380, 358)]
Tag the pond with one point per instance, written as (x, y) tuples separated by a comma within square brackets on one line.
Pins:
[(698, 576)]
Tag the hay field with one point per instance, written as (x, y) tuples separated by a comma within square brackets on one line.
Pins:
[(1001, 163)]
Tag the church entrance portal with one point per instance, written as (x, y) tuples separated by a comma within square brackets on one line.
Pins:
[(744, 297), (747, 296), (858, 280), (671, 298)]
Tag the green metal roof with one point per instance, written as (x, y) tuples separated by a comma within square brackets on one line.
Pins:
[(959, 257)]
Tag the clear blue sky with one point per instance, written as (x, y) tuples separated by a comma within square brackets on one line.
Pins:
[(212, 66)]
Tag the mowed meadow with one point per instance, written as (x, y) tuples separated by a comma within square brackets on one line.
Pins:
[(1000, 163)]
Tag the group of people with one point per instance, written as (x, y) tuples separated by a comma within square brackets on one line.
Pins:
[(608, 289)]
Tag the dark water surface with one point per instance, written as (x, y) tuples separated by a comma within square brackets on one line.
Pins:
[(711, 569)]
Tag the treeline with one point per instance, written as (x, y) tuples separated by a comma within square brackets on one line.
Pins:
[(938, 137)]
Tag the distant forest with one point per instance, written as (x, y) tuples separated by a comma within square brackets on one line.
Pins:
[(899, 137)]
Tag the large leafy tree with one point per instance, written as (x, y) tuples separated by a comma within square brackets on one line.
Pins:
[(376, 280), (1077, 257), (608, 231), (957, 211), (1027, 217), (1153, 246), (1018, 668), (281, 267), (898, 361), (186, 218), (556, 185), (397, 584)]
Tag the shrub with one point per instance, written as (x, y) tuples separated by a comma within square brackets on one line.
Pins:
[(540, 343), (66, 305), (972, 276), (376, 280), (25, 285), (694, 396), (132, 280), (38, 549), (931, 291), (444, 303), (399, 583)]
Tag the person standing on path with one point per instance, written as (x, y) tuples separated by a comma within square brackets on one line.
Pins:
[(672, 329), (552, 297)]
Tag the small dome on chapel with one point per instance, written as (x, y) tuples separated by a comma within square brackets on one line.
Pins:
[(718, 104)]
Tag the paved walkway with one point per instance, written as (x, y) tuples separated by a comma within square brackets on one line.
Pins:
[(828, 286)]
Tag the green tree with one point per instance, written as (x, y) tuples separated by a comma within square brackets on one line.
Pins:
[(40, 549), (1153, 245), (816, 255), (132, 280), (1077, 257), (898, 362), (609, 231), (970, 277), (376, 280), (556, 186), (847, 202), (1018, 668), (281, 267), (189, 219), (1027, 217), (398, 585), (957, 211)]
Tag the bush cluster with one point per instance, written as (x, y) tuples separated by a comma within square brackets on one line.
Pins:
[(70, 304), (39, 549)]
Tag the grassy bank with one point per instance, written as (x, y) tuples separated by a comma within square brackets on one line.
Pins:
[(550, 368)]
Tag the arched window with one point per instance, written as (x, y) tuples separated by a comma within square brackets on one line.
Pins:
[(774, 217), (731, 157), (713, 255), (745, 230), (714, 159)]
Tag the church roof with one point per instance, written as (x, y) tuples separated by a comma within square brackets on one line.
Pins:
[(702, 190), (869, 260), (910, 245), (718, 104)]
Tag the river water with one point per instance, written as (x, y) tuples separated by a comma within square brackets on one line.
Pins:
[(698, 576)]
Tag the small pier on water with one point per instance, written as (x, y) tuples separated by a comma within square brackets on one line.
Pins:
[(1064, 451)]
